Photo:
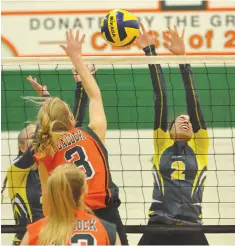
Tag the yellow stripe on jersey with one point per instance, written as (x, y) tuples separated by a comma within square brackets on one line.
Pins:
[(195, 100), (17, 180), (160, 86)]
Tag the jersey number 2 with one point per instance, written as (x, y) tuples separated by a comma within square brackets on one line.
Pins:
[(82, 160), (178, 173)]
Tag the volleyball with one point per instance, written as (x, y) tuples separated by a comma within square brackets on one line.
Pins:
[(120, 28)]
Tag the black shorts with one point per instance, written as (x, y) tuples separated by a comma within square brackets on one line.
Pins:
[(111, 214), (169, 238)]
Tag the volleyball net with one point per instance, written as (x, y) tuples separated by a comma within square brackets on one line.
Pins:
[(127, 93)]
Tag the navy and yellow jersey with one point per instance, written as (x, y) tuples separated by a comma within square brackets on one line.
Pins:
[(24, 185), (24, 189), (179, 168)]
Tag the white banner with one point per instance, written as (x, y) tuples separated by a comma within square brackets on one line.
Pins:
[(38, 33)]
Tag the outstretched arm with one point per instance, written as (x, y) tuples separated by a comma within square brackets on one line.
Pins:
[(193, 106), (81, 97), (80, 100), (159, 90), (73, 49), (146, 42), (26, 160), (161, 135), (176, 45)]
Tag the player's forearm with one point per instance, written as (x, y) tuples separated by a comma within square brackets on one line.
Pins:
[(79, 104), (151, 51), (192, 100), (159, 89), (88, 81)]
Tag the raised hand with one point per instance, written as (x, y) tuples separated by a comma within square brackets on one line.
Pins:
[(144, 38), (74, 44), (77, 77), (40, 89), (175, 42)]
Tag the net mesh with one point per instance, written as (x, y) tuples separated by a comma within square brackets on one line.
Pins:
[(128, 100)]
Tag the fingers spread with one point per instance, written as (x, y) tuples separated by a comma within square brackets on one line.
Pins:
[(182, 35), (64, 48), (67, 37), (71, 37), (167, 37), (44, 88), (176, 31), (172, 33), (77, 36), (169, 29), (166, 45), (143, 28), (31, 80), (82, 38)]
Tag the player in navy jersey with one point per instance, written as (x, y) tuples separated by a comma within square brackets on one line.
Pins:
[(180, 153), (24, 187)]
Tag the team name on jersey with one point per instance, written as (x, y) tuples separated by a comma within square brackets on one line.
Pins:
[(69, 139), (85, 225)]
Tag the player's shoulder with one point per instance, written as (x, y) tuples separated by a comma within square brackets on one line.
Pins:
[(88, 131), (110, 229), (107, 226), (162, 140), (36, 225), (202, 133)]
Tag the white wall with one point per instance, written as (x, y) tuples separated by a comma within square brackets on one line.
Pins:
[(43, 39)]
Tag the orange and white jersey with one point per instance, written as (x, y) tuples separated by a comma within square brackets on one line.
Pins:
[(88, 230), (82, 147)]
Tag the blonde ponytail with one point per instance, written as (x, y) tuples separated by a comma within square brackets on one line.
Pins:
[(66, 188), (54, 118)]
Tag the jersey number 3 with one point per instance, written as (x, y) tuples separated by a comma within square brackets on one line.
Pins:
[(178, 173), (78, 156)]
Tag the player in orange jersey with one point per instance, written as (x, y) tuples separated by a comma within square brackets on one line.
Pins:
[(58, 141), (69, 221)]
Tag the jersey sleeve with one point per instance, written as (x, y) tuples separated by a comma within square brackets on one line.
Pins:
[(26, 160), (161, 135), (200, 144), (34, 230), (201, 138), (111, 231), (80, 102), (18, 172), (15, 178), (193, 106)]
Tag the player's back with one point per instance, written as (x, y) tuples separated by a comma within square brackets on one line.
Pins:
[(82, 147), (87, 229)]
